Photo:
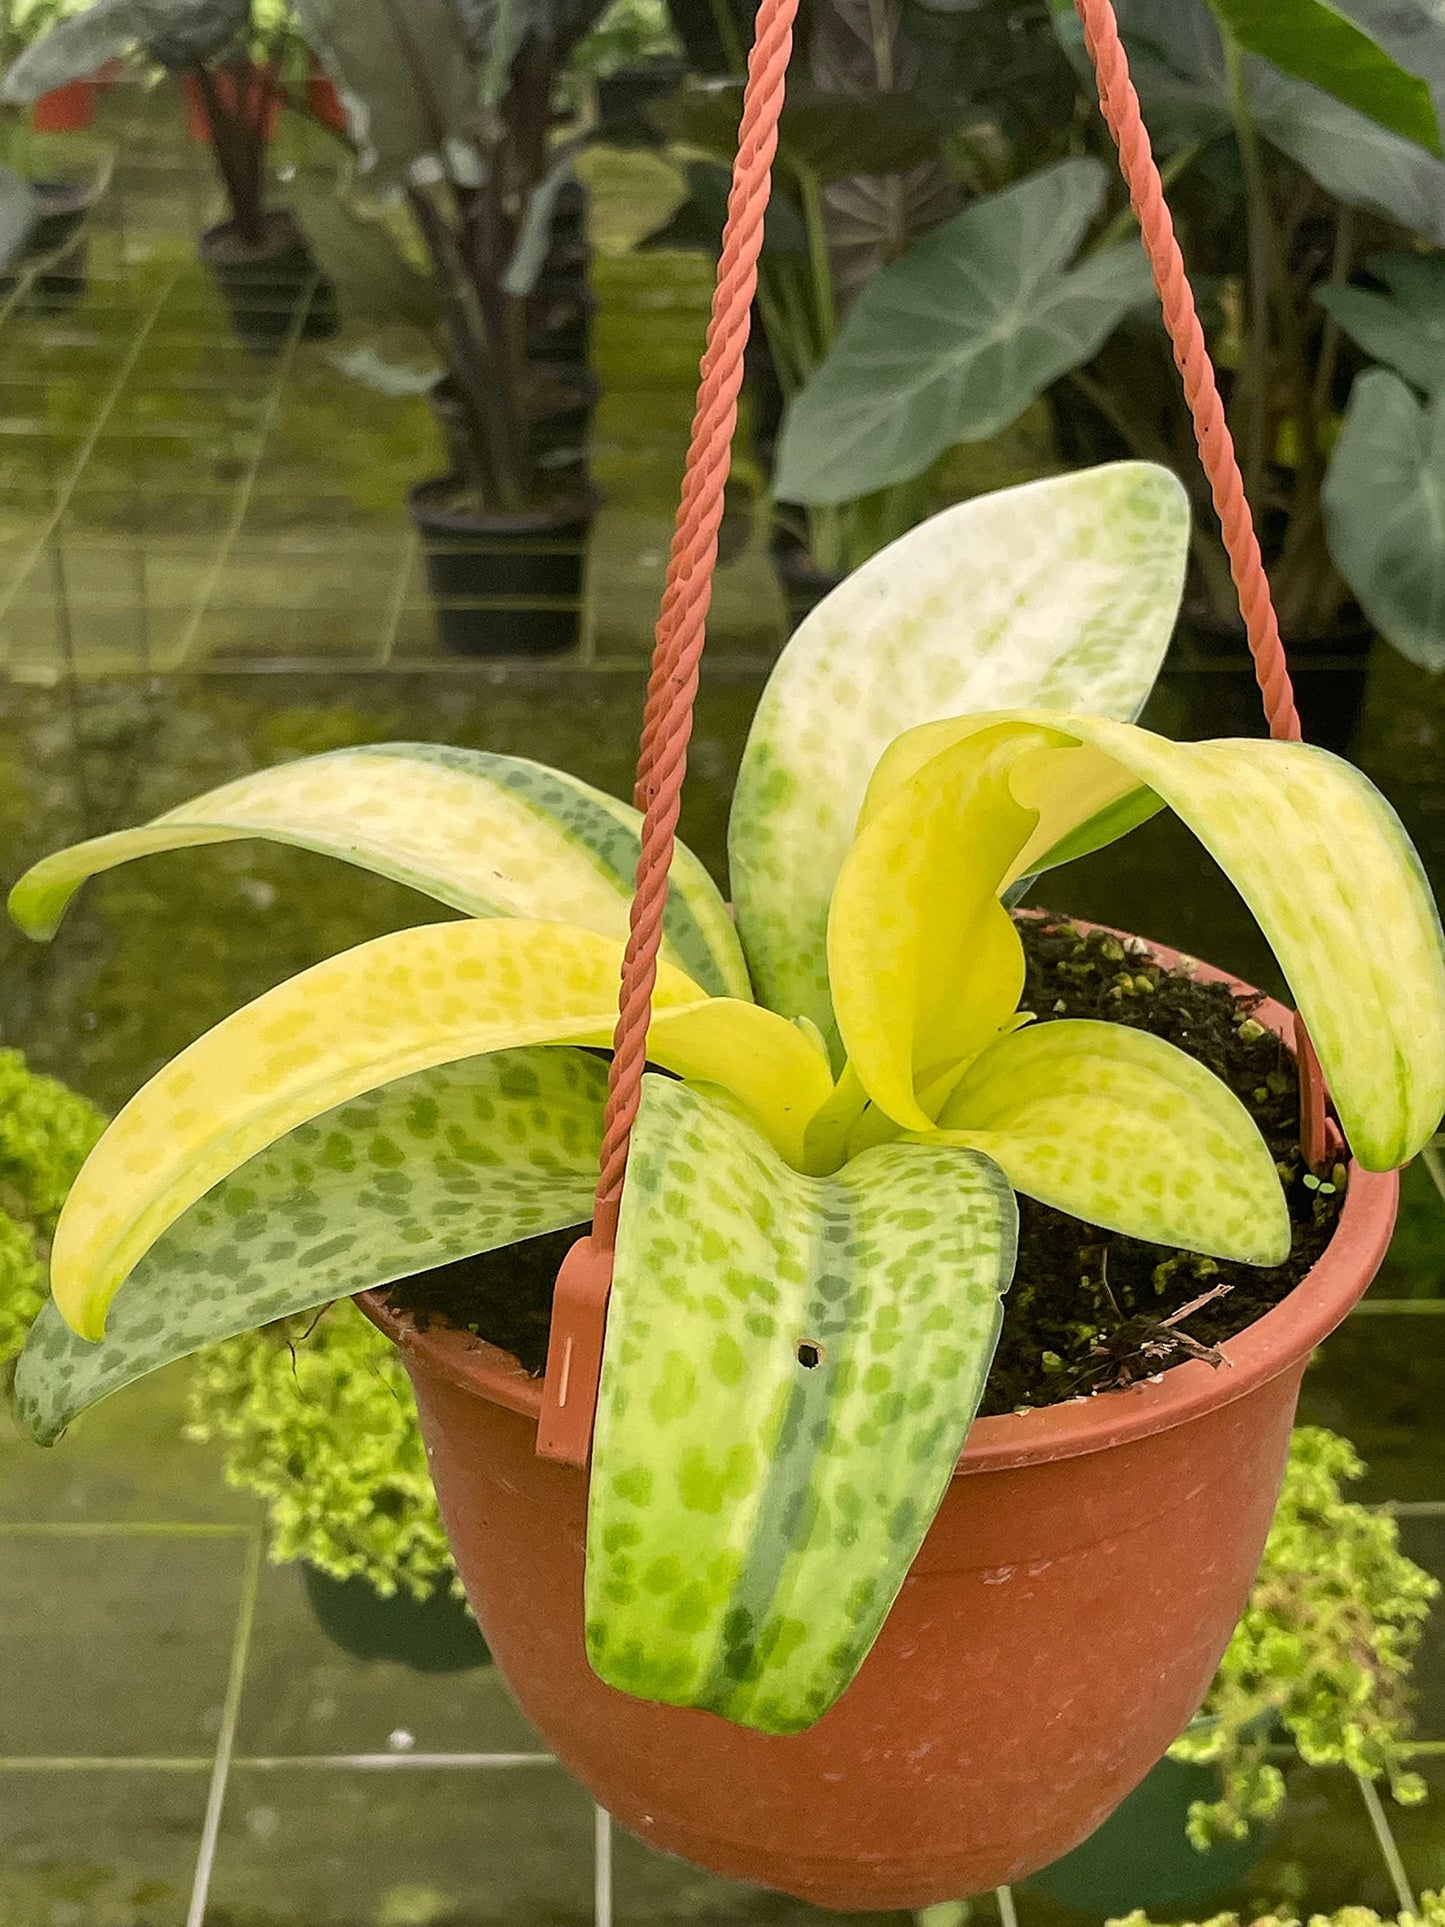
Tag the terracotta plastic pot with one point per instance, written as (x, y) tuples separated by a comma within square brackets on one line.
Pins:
[(1059, 1627)]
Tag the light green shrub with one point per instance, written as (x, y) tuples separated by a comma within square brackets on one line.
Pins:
[(45, 1133), (316, 1416), (1323, 1651), (1431, 1914)]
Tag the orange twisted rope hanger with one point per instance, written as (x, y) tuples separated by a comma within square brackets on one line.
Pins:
[(579, 1308)]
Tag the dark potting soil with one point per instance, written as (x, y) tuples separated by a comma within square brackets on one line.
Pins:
[(1088, 1310)]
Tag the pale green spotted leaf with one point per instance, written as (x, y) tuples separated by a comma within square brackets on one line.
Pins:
[(400, 1004), (791, 1370), (490, 835), (1123, 1130), (1063, 591), (435, 1167), (1332, 878)]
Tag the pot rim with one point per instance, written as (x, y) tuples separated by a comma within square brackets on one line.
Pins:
[(1270, 1346)]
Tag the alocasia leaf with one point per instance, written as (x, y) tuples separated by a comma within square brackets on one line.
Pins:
[(954, 340), (434, 1167), (19, 211), (1123, 1130), (1316, 43), (1384, 502), (401, 1004), (494, 836), (1335, 884), (1062, 592), (791, 1370), (1405, 328)]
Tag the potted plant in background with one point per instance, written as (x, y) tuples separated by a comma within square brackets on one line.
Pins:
[(316, 1418), (1304, 158), (1292, 173), (822, 1211), (452, 114), (951, 319), (258, 255), (1321, 1658)]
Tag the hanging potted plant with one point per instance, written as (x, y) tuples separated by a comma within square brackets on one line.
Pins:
[(316, 1418), (815, 1626), (1321, 1658), (257, 255), (451, 116)]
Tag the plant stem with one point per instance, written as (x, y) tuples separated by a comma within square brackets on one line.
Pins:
[(238, 156), (1254, 385), (473, 362), (1340, 269), (1126, 220), (731, 40), (824, 303)]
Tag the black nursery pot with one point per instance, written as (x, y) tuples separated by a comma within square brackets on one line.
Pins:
[(1209, 667), (624, 97), (264, 283), (57, 233), (432, 1635), (503, 585), (803, 583)]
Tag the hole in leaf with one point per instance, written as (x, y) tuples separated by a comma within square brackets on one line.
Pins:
[(809, 1354)]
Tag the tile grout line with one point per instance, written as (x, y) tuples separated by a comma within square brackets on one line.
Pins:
[(601, 1867), (1389, 1847), (105, 408), (184, 648), (226, 1738)]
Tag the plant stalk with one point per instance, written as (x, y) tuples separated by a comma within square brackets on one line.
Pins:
[(1254, 385)]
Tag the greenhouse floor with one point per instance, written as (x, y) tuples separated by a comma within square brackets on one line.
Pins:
[(180, 1742), (205, 568)]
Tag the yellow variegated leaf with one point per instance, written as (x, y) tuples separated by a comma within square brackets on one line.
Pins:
[(924, 963), (1084, 799), (1124, 1130), (491, 835), (1317, 854), (402, 1004)]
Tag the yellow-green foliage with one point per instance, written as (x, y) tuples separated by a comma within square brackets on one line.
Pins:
[(1431, 1914), (1323, 1650), (317, 1417), (45, 1133)]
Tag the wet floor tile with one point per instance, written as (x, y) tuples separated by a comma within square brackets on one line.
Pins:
[(409, 1847), (114, 1644), (652, 1888), (98, 1849), (305, 1694)]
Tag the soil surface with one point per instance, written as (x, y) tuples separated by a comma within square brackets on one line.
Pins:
[(1088, 1310)]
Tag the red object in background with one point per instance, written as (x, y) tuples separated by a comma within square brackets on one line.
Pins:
[(1060, 1625), (257, 99), (322, 100), (65, 110)]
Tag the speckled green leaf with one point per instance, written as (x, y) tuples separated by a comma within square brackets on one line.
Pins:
[(434, 1167), (752, 1516), (1334, 881), (1123, 1130), (1063, 591), (406, 1002), (494, 836)]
